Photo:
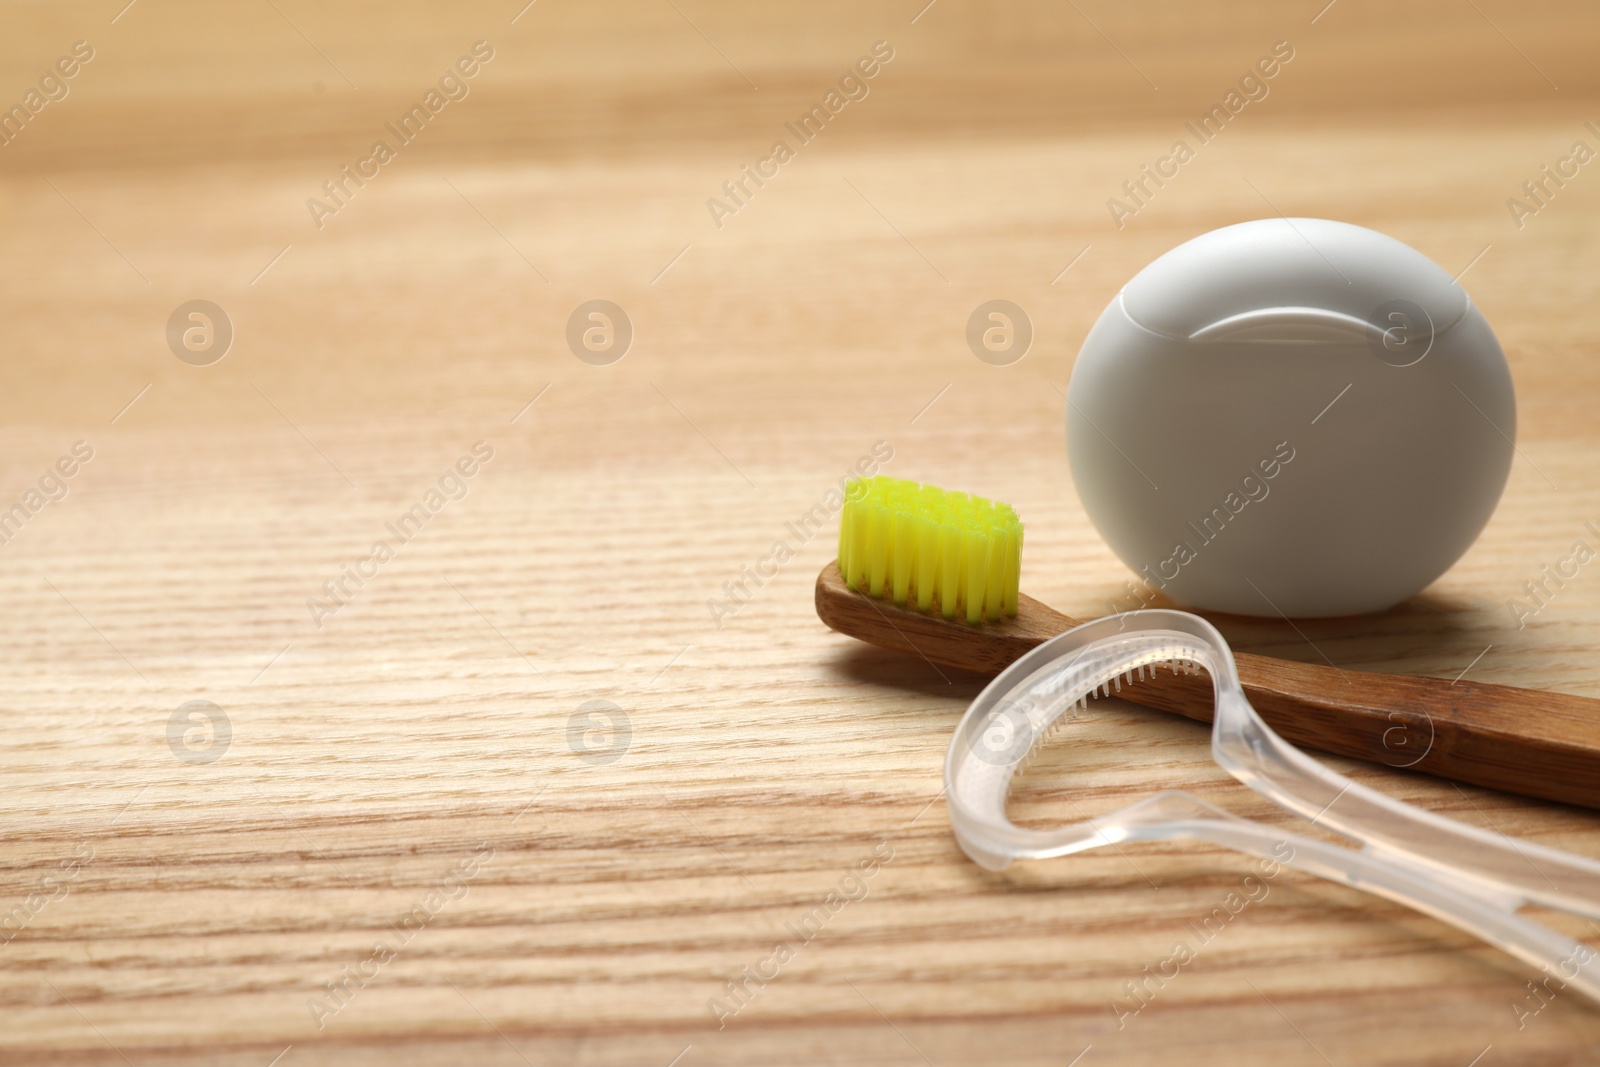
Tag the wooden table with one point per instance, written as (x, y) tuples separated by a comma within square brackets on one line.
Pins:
[(401, 747)]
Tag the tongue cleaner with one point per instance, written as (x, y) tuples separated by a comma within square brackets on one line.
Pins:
[(1470, 878)]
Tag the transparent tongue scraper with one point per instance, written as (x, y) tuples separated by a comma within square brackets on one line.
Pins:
[(1473, 879)]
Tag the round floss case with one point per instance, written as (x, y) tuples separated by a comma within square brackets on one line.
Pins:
[(1290, 417)]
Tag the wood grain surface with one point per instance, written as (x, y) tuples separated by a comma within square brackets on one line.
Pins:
[(412, 756)]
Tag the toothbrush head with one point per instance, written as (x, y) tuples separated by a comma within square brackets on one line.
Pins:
[(931, 548)]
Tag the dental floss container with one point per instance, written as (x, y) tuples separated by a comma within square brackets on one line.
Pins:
[(1291, 417)]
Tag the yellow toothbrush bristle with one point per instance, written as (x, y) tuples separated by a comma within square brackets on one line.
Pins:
[(937, 549)]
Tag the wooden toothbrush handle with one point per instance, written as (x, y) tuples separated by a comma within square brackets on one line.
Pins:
[(1529, 742)]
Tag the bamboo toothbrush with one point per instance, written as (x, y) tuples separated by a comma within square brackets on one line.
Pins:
[(935, 573)]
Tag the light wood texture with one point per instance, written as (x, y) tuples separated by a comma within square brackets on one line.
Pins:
[(1533, 743), (766, 756)]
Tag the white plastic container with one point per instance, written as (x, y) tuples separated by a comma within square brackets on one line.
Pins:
[(1290, 416)]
